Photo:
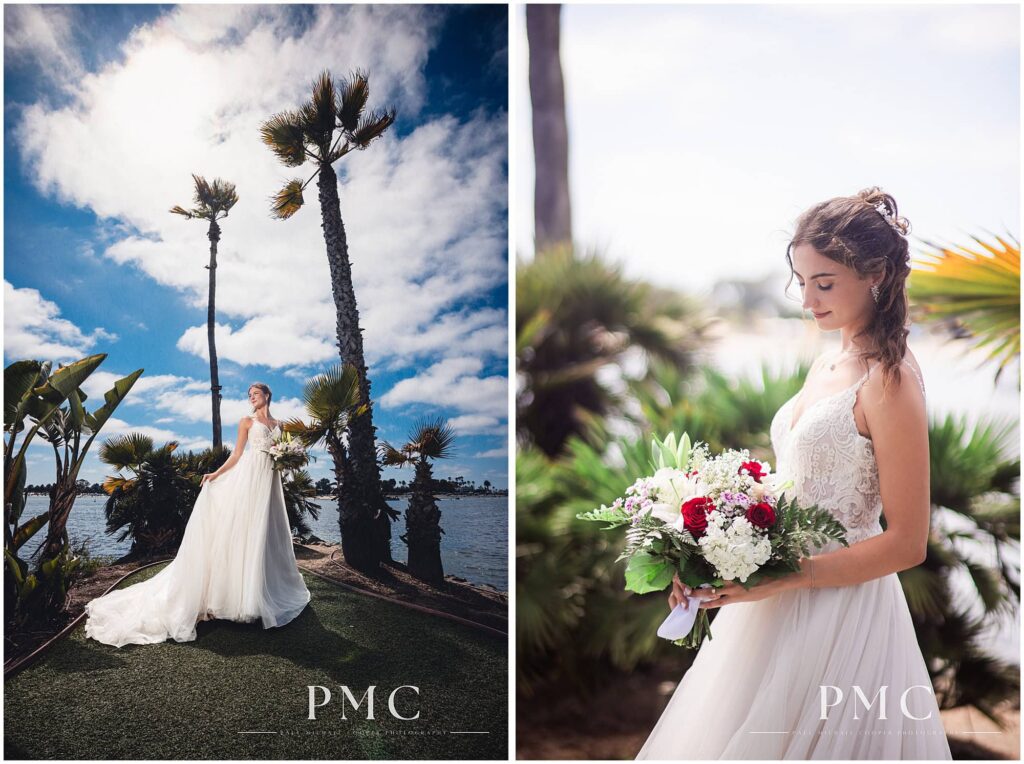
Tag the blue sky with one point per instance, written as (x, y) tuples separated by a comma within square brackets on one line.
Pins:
[(108, 111), (698, 133)]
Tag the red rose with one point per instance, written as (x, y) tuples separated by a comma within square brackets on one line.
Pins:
[(695, 515), (754, 469), (761, 514)]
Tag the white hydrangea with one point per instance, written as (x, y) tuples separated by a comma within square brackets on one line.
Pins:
[(734, 547)]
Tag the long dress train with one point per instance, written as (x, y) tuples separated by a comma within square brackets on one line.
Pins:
[(235, 562), (833, 673)]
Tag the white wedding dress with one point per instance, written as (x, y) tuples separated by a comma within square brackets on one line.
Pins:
[(754, 691), (235, 562)]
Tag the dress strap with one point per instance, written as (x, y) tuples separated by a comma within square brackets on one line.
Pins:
[(920, 381), (867, 374)]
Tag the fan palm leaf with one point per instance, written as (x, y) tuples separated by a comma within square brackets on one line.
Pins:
[(977, 290), (577, 315), (372, 126), (213, 200), (320, 112), (284, 135), (288, 200), (126, 451), (355, 92), (393, 457), (433, 439), (332, 393)]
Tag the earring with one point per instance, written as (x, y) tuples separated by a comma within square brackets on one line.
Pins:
[(874, 292)]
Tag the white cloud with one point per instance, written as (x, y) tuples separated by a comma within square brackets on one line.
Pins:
[(186, 399), (33, 328), (494, 452), (265, 340), (454, 382), (424, 212), (115, 426), (41, 35), (477, 424)]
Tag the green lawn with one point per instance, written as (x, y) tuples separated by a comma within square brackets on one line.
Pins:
[(194, 700)]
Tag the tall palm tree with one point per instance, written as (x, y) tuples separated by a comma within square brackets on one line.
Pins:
[(331, 124), (332, 401), (428, 440), (213, 202), (975, 291), (551, 207)]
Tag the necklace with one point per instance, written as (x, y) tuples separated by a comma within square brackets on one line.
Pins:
[(837, 359)]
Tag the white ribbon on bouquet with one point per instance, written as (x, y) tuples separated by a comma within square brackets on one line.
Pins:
[(680, 621)]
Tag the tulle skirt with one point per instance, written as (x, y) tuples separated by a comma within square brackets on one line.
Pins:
[(235, 562), (793, 676)]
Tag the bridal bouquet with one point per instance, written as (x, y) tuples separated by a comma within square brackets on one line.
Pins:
[(711, 519), (287, 453)]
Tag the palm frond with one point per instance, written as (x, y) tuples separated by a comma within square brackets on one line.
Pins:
[(433, 439), (372, 126), (976, 290), (112, 483), (330, 395), (321, 116), (187, 214), (288, 200), (393, 457), (308, 434), (219, 196), (354, 94), (283, 134), (126, 451)]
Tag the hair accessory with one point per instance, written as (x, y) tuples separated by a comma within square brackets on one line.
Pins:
[(874, 292), (882, 210)]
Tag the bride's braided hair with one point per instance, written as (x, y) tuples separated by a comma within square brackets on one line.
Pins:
[(865, 232)]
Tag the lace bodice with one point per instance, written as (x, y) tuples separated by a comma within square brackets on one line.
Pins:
[(260, 436), (830, 463)]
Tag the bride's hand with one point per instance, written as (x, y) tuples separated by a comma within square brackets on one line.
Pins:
[(734, 592), (207, 478), (681, 592)]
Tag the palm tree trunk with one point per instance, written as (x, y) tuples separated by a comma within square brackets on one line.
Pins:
[(211, 314), (551, 210), (365, 526), (423, 529)]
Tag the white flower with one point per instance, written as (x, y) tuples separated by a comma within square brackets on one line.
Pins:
[(674, 487), (734, 547), (667, 513)]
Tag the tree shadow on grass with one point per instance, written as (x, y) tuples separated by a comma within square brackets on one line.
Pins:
[(305, 642)]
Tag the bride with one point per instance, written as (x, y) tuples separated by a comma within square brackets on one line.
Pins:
[(235, 560), (824, 663)]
